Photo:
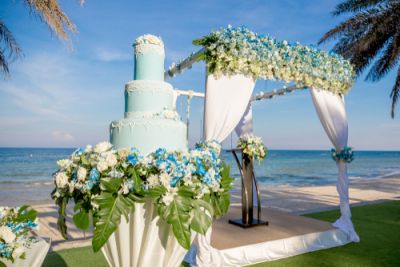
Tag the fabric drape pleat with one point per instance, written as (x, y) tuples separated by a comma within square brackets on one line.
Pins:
[(331, 111)]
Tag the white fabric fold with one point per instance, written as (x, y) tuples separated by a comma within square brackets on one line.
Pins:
[(332, 114), (226, 100), (146, 240), (245, 125)]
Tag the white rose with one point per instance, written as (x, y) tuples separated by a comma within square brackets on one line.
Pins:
[(18, 252), (7, 234), (64, 163), (123, 153), (102, 147), (153, 180), (82, 172), (165, 179), (102, 165), (111, 159), (61, 179)]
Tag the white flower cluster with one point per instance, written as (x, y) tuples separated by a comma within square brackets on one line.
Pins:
[(238, 50), (149, 39), (14, 238), (253, 146), (81, 174)]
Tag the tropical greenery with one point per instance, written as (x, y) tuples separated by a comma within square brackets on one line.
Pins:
[(49, 12), (188, 188), (370, 36)]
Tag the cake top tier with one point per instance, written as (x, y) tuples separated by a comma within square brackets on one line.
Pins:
[(149, 58)]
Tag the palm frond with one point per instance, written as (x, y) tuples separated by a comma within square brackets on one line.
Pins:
[(395, 93), (387, 61), (9, 48), (356, 5), (51, 13)]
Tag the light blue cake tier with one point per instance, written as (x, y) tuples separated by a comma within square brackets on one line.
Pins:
[(150, 121), (148, 96), (147, 135), (149, 62)]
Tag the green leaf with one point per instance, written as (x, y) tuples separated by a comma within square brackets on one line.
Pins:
[(81, 219), (2, 264), (84, 160), (199, 41), (26, 213), (136, 197), (111, 185), (62, 226), (224, 202), (186, 191), (111, 208), (178, 217), (157, 191), (202, 216)]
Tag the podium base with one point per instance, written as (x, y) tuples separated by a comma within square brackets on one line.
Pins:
[(253, 223)]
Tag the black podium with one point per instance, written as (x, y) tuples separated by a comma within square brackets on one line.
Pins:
[(249, 187)]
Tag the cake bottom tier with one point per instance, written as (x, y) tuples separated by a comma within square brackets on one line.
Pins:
[(147, 135)]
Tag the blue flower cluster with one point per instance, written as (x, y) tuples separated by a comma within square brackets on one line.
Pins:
[(346, 154)]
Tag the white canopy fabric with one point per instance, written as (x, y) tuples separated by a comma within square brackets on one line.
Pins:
[(245, 125), (332, 114), (226, 100)]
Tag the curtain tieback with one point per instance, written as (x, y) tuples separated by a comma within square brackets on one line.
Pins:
[(346, 154)]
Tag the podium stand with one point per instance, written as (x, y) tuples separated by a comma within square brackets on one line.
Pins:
[(249, 187)]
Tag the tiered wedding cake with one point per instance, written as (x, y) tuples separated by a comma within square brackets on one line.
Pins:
[(150, 119)]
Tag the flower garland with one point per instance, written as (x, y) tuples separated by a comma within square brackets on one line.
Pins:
[(345, 154), (15, 224), (252, 146), (187, 188), (240, 51)]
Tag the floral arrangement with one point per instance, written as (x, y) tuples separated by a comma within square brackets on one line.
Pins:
[(252, 146), (15, 224), (188, 188), (239, 50), (345, 154)]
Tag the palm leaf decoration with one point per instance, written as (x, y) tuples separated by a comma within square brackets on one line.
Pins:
[(50, 12), (370, 37)]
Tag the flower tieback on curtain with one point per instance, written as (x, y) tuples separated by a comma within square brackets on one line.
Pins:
[(346, 154), (15, 225), (252, 146)]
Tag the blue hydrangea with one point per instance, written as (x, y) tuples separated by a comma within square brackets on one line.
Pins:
[(94, 175)]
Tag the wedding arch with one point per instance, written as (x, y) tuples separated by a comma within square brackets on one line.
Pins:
[(235, 59)]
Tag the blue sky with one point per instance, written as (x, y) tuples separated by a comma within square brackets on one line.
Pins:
[(62, 95)]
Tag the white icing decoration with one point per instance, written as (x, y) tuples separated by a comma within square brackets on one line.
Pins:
[(149, 43), (158, 122), (165, 114), (147, 85)]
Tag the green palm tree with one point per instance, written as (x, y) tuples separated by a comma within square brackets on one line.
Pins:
[(371, 34), (50, 12)]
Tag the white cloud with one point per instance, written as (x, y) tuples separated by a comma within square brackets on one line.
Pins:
[(109, 55), (61, 136)]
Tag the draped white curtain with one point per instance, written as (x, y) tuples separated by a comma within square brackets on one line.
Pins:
[(332, 114), (144, 241), (226, 100), (245, 125)]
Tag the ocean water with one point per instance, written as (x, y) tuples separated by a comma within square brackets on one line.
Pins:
[(26, 173)]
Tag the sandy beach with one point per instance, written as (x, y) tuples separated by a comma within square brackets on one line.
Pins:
[(290, 199)]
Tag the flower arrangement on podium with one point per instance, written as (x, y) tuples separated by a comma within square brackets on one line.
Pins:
[(15, 225), (188, 188), (252, 146)]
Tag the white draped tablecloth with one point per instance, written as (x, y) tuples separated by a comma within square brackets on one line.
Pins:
[(34, 256), (146, 240)]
